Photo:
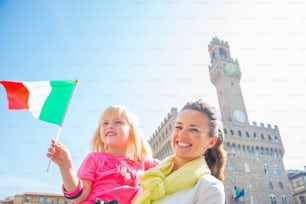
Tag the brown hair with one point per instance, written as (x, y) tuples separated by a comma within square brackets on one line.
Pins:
[(216, 156)]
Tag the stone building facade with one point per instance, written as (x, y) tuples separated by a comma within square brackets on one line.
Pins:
[(297, 180), (36, 198), (255, 151)]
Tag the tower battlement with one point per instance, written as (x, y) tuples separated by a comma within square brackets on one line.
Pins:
[(264, 126), (171, 114)]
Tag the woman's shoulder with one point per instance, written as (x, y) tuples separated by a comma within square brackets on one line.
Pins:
[(209, 189), (210, 183), (210, 179)]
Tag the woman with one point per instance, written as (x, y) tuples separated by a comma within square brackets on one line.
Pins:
[(194, 174)]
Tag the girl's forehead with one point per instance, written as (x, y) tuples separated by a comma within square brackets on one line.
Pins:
[(113, 115)]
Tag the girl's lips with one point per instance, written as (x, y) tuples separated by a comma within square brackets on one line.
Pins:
[(110, 133)]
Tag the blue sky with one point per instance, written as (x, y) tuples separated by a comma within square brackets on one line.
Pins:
[(149, 56)]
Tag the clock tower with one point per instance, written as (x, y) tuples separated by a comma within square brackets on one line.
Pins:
[(225, 74)]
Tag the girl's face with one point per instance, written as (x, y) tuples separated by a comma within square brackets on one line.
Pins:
[(114, 132), (190, 138)]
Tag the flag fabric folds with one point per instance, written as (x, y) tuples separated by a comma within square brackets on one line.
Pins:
[(237, 194), (46, 100)]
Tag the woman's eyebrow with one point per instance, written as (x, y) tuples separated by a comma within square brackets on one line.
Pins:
[(196, 126)]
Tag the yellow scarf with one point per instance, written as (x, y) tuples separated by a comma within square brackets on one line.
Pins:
[(159, 181)]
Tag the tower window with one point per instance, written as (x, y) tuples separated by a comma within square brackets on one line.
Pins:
[(272, 199), (230, 166), (280, 184), (276, 170), (222, 53), (266, 169), (247, 134), (269, 137), (213, 55), (247, 167), (262, 137), (270, 185)]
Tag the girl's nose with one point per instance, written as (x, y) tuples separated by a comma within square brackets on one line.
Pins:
[(110, 126)]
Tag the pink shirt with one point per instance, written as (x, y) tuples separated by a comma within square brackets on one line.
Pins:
[(113, 177)]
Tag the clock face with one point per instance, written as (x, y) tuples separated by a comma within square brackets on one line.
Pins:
[(239, 116), (231, 69)]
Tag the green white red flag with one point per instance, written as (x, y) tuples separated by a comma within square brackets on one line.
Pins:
[(46, 100)]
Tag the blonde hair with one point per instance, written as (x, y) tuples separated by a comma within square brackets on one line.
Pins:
[(137, 148)]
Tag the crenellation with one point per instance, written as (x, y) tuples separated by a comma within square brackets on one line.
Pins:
[(264, 126)]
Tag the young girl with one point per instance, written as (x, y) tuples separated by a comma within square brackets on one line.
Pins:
[(109, 174)]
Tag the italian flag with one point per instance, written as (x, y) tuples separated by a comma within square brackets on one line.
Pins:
[(46, 100)]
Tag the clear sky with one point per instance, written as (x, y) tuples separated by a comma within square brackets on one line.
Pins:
[(149, 56)]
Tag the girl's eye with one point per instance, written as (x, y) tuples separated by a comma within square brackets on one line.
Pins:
[(118, 122), (105, 123)]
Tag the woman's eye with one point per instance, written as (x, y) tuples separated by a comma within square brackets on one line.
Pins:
[(194, 130), (118, 122), (178, 127), (105, 123)]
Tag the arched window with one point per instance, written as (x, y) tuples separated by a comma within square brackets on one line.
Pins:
[(270, 185), (234, 149), (247, 134), (284, 199), (276, 170), (222, 53), (266, 169), (238, 149), (262, 136), (302, 199), (272, 199), (230, 166), (280, 185), (247, 167), (252, 151)]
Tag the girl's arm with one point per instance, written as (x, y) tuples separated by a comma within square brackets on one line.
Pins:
[(86, 190), (60, 155)]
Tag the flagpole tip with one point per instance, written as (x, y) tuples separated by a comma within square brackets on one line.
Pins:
[(76, 81)]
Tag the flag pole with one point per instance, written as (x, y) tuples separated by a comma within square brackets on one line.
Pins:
[(61, 125)]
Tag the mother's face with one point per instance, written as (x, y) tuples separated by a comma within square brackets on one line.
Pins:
[(190, 138)]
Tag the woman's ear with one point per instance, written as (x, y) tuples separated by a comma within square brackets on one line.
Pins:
[(212, 141)]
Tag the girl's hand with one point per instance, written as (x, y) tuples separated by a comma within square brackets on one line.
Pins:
[(59, 154)]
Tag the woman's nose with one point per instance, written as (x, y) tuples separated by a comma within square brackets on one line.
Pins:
[(182, 132)]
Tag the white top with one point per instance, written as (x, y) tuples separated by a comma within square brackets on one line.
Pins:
[(208, 190)]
